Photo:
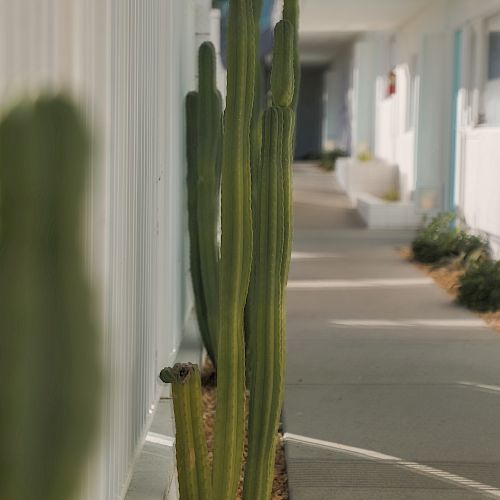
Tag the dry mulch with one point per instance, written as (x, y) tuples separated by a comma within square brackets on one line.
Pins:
[(209, 391), (447, 278)]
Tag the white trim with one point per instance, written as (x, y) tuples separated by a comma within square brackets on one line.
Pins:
[(491, 388), (161, 439), (411, 323), (370, 283)]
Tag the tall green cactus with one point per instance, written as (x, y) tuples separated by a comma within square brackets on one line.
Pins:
[(291, 14), (256, 123), (191, 447), (282, 73), (265, 321), (265, 315), (236, 250), (194, 240), (254, 258), (209, 152), (204, 143), (49, 387)]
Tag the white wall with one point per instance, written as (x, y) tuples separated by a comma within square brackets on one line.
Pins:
[(413, 128), (463, 11), (479, 195), (129, 65), (395, 128), (338, 82), (372, 59), (428, 38), (408, 37)]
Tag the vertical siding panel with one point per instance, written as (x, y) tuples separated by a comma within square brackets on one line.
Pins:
[(125, 61)]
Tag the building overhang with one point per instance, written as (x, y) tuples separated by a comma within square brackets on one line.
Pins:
[(357, 15), (328, 25)]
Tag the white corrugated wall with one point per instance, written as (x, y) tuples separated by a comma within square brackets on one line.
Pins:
[(129, 63)]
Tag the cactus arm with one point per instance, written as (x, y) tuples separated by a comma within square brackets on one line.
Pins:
[(194, 241), (200, 440), (190, 444), (287, 158), (265, 315), (236, 251), (291, 14), (266, 334), (256, 125), (282, 73), (209, 145), (255, 144), (185, 452)]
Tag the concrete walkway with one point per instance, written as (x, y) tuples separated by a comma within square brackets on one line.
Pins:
[(392, 391)]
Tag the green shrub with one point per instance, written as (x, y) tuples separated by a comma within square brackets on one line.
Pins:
[(440, 242), (329, 158), (479, 287), (392, 196)]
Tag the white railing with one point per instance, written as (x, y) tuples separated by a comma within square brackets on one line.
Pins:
[(129, 63)]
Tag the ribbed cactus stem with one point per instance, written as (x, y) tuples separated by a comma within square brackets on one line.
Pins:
[(195, 482), (272, 224), (236, 250), (50, 382), (194, 240), (287, 159), (291, 14), (209, 149), (282, 73), (265, 315), (256, 124)]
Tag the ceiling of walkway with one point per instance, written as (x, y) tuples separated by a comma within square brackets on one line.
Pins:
[(325, 25), (321, 48), (356, 15)]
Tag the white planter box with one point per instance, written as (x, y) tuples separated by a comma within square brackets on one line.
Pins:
[(381, 214), (374, 177)]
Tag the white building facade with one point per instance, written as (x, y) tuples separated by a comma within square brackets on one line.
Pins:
[(441, 122)]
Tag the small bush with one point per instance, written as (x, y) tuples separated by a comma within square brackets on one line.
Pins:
[(440, 242), (329, 158), (311, 156), (392, 196), (479, 287)]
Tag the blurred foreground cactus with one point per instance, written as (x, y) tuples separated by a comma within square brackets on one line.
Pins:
[(254, 255), (49, 385)]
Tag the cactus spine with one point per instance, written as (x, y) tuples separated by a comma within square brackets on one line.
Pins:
[(191, 447), (49, 386), (236, 250), (265, 315)]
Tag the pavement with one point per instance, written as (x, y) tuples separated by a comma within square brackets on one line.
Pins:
[(392, 391)]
